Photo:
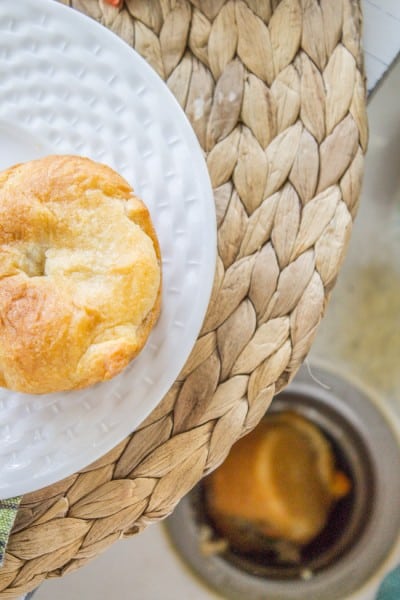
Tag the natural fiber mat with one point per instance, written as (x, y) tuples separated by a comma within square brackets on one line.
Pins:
[(283, 125)]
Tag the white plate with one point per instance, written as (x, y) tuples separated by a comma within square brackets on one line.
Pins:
[(68, 85)]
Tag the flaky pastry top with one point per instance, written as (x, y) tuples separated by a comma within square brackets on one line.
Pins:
[(80, 274)]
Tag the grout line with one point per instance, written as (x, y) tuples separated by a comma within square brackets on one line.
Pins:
[(385, 12), (376, 58)]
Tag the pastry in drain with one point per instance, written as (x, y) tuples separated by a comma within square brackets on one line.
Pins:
[(80, 274), (276, 489)]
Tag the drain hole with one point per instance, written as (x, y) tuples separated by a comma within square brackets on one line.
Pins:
[(280, 559), (247, 548), (332, 542)]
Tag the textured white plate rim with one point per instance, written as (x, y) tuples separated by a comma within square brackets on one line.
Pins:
[(96, 451)]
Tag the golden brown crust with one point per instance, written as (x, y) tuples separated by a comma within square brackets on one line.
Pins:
[(80, 274)]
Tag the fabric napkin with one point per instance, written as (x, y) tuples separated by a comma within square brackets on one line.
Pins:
[(8, 512)]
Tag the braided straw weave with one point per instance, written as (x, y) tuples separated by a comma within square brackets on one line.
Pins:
[(283, 126)]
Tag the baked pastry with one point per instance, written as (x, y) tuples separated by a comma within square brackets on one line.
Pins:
[(80, 274)]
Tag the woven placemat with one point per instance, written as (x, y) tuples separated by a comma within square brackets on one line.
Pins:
[(275, 93)]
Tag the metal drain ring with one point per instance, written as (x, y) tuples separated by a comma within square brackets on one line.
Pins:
[(362, 434)]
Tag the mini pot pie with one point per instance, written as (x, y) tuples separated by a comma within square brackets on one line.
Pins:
[(80, 274)]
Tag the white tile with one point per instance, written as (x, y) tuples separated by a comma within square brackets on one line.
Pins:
[(391, 7), (381, 33), (381, 37), (374, 69)]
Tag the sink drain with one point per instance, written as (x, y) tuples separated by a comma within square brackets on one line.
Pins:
[(362, 527)]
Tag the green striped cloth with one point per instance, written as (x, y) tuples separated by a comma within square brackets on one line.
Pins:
[(8, 512)]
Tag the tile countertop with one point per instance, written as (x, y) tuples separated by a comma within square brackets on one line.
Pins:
[(145, 567), (381, 37)]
